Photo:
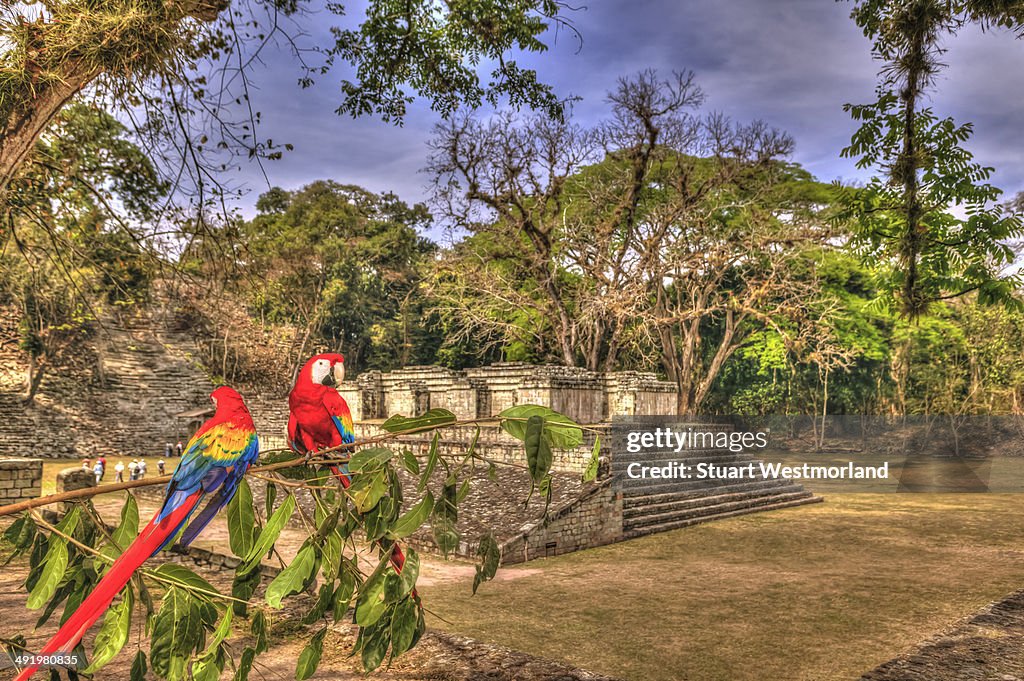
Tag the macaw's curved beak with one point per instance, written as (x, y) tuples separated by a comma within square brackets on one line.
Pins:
[(328, 380)]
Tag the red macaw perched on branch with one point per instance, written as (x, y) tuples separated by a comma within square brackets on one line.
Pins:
[(320, 418), (216, 458)]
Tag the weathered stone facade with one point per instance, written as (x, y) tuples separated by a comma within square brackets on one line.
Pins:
[(586, 396), (593, 519), (20, 479), (492, 443)]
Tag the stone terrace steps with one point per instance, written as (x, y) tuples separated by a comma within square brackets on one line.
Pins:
[(660, 512), (688, 521), (129, 408), (634, 506)]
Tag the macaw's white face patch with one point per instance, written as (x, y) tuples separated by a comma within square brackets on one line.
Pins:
[(321, 370)]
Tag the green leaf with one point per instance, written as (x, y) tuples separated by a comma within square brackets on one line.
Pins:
[(373, 642), (428, 421), (333, 547), (16, 528), (323, 600), (243, 587), (269, 496), (222, 631), (410, 571), (177, 629), (490, 558), (139, 667), (538, 452), (54, 566), (410, 462), (73, 582), (370, 604), (296, 472), (561, 431), (295, 577), (128, 529), (260, 631), (327, 523), (180, 575), (20, 534), (432, 458), (463, 492), (413, 519), (380, 518), (113, 633), (241, 520), (207, 668), (369, 459), (443, 520), (367, 490), (269, 535), (343, 595), (592, 467), (244, 665), (403, 626), (309, 658)]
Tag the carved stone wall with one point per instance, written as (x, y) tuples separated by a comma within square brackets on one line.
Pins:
[(586, 396)]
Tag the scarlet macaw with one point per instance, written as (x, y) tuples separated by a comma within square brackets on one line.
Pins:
[(214, 461), (320, 418)]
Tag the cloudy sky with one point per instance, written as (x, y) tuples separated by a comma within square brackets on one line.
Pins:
[(792, 63)]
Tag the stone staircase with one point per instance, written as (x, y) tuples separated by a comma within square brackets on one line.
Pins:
[(121, 401), (650, 506)]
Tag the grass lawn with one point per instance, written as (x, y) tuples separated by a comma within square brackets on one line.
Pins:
[(819, 592)]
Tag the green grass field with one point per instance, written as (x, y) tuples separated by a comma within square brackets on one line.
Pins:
[(819, 592)]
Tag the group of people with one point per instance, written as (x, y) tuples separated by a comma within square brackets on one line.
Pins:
[(99, 469), (136, 469)]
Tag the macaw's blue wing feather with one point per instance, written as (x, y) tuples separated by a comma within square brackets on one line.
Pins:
[(203, 519), (346, 430), (223, 481), (214, 461)]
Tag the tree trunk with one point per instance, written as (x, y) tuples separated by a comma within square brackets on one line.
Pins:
[(34, 377), (29, 116), (908, 164), (24, 126)]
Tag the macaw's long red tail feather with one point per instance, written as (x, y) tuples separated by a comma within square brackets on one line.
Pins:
[(97, 602), (397, 556)]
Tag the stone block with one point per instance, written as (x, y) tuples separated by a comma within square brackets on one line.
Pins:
[(69, 479)]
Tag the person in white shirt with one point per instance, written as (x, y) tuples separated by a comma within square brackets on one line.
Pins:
[(97, 470), (119, 472), (133, 468), (140, 470)]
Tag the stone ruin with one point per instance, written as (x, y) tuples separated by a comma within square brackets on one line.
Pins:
[(585, 396)]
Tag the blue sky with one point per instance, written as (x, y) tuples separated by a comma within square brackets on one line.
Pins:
[(792, 63)]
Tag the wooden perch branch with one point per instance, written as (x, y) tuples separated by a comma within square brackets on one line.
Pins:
[(319, 457)]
